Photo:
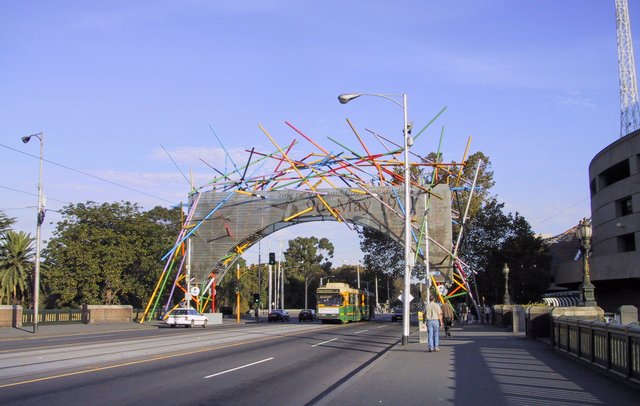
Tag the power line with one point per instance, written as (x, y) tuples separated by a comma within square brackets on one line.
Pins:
[(89, 175), (32, 194), (563, 211)]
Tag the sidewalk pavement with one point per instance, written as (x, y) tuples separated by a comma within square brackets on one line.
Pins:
[(479, 365)]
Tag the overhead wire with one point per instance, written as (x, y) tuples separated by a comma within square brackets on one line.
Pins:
[(89, 175)]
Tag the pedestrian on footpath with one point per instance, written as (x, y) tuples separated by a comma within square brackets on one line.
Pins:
[(433, 315), (447, 315), (464, 311)]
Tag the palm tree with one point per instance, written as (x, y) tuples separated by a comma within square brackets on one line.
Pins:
[(5, 223), (16, 258)]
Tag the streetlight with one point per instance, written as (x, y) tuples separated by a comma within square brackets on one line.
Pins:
[(583, 233), (39, 220), (408, 141), (505, 271), (328, 277)]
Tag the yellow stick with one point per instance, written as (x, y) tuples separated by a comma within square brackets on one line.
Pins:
[(433, 280), (300, 213), (464, 157)]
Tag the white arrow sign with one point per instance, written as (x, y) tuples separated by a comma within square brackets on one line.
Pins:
[(401, 297)]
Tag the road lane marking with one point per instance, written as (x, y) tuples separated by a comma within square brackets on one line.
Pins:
[(381, 326), (236, 368), (324, 342), (358, 332), (90, 369)]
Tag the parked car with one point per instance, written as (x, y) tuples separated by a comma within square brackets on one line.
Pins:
[(307, 314), (278, 315), (187, 317), (397, 314)]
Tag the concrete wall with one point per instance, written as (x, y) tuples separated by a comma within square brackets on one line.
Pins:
[(102, 314), (10, 316)]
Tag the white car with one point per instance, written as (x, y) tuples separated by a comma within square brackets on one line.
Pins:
[(186, 317)]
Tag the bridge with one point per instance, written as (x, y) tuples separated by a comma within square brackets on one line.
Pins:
[(478, 365)]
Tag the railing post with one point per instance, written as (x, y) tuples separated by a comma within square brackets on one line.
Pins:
[(579, 339), (627, 346), (608, 335)]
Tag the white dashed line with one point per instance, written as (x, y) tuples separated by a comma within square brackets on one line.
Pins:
[(235, 369), (324, 342)]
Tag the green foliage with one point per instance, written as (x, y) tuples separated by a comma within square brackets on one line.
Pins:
[(5, 223), (382, 254), (306, 260), (16, 260), (108, 253), (498, 239)]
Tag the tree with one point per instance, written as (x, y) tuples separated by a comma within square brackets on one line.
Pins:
[(306, 259), (107, 253), (514, 244), (382, 254), (16, 260), (5, 223)]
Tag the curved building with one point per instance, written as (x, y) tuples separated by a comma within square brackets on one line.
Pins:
[(614, 179)]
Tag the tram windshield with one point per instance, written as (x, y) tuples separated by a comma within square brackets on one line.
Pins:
[(330, 300)]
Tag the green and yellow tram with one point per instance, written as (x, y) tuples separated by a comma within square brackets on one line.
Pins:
[(339, 303)]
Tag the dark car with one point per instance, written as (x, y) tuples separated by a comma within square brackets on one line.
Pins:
[(278, 315), (307, 314), (397, 314)]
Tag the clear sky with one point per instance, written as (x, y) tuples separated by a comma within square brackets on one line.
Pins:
[(110, 83)]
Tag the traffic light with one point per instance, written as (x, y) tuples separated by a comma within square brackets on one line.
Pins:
[(236, 286), (256, 298), (272, 258)]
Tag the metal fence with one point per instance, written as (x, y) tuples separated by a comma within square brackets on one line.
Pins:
[(63, 316), (52, 316), (611, 347)]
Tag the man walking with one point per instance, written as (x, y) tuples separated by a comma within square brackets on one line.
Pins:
[(447, 315), (433, 315)]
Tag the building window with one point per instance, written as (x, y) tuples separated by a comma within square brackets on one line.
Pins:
[(615, 173), (592, 186), (626, 243), (624, 206)]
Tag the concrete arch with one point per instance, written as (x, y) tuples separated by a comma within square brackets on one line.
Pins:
[(233, 222)]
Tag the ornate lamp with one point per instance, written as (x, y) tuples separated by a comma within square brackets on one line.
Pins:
[(505, 270), (583, 233)]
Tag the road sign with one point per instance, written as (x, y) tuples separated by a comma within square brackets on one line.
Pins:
[(401, 297), (442, 289), (195, 291)]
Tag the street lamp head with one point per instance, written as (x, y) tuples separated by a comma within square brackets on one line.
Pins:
[(26, 138), (505, 269), (347, 97), (583, 232)]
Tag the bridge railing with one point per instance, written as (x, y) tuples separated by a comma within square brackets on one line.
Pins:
[(57, 316), (611, 347)]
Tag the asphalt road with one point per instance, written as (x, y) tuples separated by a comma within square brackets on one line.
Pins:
[(265, 364)]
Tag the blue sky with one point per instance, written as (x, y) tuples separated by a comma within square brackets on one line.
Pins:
[(534, 83)]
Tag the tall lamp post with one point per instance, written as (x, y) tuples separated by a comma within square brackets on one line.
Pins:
[(408, 141), (39, 221), (583, 233), (505, 270)]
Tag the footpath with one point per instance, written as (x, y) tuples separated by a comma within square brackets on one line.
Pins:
[(479, 365)]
